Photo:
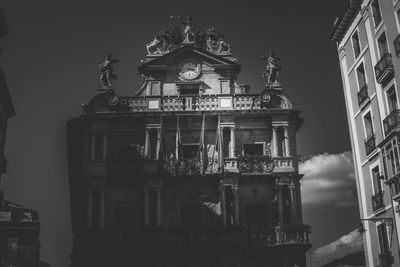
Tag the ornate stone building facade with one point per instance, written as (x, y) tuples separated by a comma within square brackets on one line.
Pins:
[(192, 170), (368, 45)]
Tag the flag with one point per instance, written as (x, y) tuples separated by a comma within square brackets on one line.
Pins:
[(178, 143), (220, 146), (202, 153), (161, 147)]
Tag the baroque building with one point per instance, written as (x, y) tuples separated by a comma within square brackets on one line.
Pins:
[(368, 45), (192, 169)]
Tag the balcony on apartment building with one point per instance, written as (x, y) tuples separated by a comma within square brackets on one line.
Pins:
[(385, 259), (391, 122), (377, 201), (370, 144), (384, 68)]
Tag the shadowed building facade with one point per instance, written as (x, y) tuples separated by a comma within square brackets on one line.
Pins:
[(368, 43), (192, 170)]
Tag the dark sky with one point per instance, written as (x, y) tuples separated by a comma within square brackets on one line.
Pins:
[(50, 57)]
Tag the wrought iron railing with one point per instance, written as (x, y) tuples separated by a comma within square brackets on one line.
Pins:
[(391, 122), (362, 95), (370, 144), (385, 259), (383, 67), (397, 46), (255, 164), (377, 201)]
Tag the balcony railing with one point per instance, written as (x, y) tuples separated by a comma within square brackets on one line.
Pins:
[(377, 201), (255, 164), (260, 236), (391, 122), (385, 259), (397, 46), (192, 102), (384, 68), (370, 144), (362, 95)]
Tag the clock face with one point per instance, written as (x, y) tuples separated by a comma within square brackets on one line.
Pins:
[(190, 70)]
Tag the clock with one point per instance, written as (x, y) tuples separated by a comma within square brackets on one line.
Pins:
[(189, 70)]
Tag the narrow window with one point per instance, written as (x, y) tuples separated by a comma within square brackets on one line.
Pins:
[(376, 180), (383, 239), (361, 76), (356, 44), (382, 45), (369, 130), (376, 12), (392, 99)]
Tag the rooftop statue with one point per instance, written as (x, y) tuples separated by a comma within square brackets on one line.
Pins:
[(187, 29), (272, 69), (106, 71), (216, 42)]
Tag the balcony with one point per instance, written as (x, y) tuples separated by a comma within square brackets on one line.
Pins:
[(362, 95), (397, 46), (377, 201), (205, 237), (192, 102), (255, 164), (384, 68), (370, 144), (385, 259), (391, 122)]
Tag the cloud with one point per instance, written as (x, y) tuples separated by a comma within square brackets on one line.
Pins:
[(347, 244), (329, 179)]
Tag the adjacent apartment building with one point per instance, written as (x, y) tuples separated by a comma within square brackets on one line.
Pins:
[(368, 45), (190, 170)]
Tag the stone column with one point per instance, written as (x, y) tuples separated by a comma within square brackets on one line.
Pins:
[(147, 143), (158, 189), (90, 207), (235, 190), (233, 143), (146, 205), (158, 142), (223, 207), (287, 142), (292, 189), (105, 139), (92, 146), (274, 141), (102, 207), (280, 202)]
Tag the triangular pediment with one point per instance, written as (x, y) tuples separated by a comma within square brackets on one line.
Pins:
[(185, 52)]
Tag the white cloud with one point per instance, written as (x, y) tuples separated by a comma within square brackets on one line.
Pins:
[(329, 179), (347, 244)]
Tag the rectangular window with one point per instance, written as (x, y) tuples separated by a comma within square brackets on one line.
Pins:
[(189, 151), (376, 12), (376, 180), (257, 214), (253, 149), (369, 130), (361, 76), (382, 45), (383, 238), (392, 99), (124, 219), (192, 216), (356, 44)]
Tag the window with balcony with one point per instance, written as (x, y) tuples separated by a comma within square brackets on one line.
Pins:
[(369, 142), (391, 159), (356, 44), (191, 216), (391, 99), (382, 44), (376, 12), (377, 198), (362, 94), (383, 239), (256, 214), (124, 219)]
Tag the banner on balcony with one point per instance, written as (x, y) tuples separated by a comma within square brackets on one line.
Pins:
[(202, 153), (178, 141)]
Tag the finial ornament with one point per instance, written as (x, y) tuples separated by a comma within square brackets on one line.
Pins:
[(272, 69), (106, 72)]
